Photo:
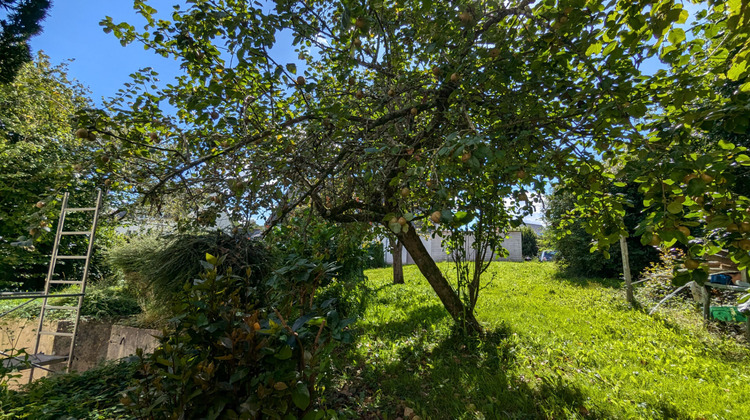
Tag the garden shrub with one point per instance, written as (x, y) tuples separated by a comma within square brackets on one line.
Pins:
[(110, 302), (375, 255), (343, 248), (529, 247), (658, 279), (93, 394), (232, 352), (102, 302), (159, 266)]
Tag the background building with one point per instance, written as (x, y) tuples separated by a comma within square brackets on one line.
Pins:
[(435, 247)]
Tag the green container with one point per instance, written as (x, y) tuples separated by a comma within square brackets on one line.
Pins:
[(727, 314)]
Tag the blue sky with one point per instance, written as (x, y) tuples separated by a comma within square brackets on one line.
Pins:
[(72, 31)]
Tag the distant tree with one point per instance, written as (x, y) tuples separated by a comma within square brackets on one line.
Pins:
[(529, 246), (573, 243), (22, 21)]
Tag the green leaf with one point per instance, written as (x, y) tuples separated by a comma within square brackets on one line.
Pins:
[(238, 374), (718, 221), (683, 16), (676, 35), (313, 415), (395, 227), (226, 342), (291, 68), (699, 276), (211, 259), (737, 70), (682, 278), (726, 145), (301, 396), (594, 49), (674, 207), (646, 238), (696, 186), (284, 353)]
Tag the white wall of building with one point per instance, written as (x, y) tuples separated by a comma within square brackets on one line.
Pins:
[(434, 246)]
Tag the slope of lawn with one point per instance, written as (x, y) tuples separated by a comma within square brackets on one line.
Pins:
[(556, 348)]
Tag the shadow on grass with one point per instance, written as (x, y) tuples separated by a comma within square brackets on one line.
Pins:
[(586, 282), (452, 376), (419, 319)]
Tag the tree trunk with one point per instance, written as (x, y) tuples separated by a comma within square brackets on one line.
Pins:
[(398, 265), (626, 271), (440, 285)]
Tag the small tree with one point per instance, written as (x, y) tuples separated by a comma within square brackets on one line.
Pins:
[(529, 246)]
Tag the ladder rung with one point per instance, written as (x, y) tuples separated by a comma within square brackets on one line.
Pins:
[(70, 209), (65, 282), (66, 308), (78, 232), (61, 334), (71, 257)]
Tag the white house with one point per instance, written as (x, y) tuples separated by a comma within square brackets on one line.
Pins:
[(435, 247)]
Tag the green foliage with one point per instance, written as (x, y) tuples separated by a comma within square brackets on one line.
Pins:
[(559, 346), (102, 302), (658, 278), (686, 149), (159, 266), (376, 255), (94, 394), (21, 20), (529, 247), (305, 236), (39, 159), (227, 356), (575, 245)]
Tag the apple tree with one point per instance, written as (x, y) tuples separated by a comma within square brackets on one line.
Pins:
[(396, 114), (687, 149)]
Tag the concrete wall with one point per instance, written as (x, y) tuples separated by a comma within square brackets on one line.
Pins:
[(123, 341), (95, 342), (434, 245), (21, 334)]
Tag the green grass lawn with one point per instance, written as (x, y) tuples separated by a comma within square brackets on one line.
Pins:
[(556, 348)]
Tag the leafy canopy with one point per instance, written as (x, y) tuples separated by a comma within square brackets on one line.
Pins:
[(411, 107), (39, 159)]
